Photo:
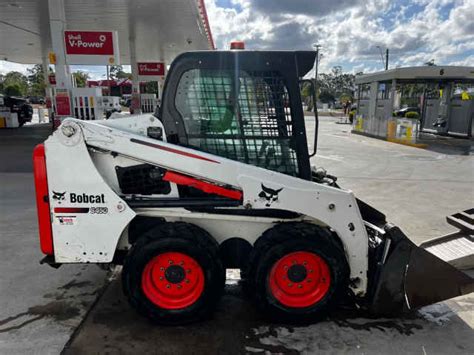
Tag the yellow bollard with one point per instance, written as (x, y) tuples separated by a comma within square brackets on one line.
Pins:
[(391, 129), (359, 124)]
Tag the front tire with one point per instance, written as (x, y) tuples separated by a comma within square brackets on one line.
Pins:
[(300, 274), (173, 274)]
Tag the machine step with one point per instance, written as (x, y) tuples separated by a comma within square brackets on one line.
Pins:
[(463, 220), (456, 249)]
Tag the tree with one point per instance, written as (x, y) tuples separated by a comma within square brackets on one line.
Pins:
[(151, 87), (307, 94), (18, 80), (345, 97), (80, 78), (36, 82), (116, 72), (2, 86), (326, 97), (12, 90), (336, 83)]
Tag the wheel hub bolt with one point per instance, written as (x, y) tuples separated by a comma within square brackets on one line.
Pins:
[(187, 281), (300, 285), (168, 285)]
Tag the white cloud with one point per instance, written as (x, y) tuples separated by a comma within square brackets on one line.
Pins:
[(350, 32), (6, 67), (468, 61)]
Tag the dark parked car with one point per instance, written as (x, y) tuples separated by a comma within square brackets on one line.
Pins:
[(19, 106), (402, 112), (37, 100)]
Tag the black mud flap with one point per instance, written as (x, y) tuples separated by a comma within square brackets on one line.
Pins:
[(411, 277), (49, 259)]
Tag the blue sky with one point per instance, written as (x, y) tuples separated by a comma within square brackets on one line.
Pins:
[(349, 31)]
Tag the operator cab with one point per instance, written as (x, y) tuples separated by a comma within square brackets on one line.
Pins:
[(241, 105)]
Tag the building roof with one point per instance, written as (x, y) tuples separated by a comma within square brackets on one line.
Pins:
[(163, 28), (419, 74)]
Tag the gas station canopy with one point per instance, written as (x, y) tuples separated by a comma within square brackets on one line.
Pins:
[(161, 29)]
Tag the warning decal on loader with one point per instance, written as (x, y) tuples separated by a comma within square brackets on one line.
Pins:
[(66, 220)]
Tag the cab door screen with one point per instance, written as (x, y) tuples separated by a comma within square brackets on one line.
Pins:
[(243, 116)]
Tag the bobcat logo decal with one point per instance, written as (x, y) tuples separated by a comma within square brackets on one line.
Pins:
[(269, 195), (59, 196)]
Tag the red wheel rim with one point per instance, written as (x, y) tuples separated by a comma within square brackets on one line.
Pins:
[(173, 280), (300, 279)]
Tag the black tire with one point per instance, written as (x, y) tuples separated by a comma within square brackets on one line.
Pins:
[(282, 240), (182, 238)]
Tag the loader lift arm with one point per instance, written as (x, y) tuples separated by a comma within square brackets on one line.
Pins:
[(297, 195)]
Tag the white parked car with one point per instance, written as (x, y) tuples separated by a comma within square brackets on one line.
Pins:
[(110, 104)]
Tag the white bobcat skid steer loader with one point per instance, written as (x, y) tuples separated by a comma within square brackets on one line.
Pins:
[(220, 178)]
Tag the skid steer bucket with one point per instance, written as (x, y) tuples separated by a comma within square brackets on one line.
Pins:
[(411, 277)]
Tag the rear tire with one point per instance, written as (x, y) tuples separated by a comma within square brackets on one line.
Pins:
[(298, 272), (173, 274)]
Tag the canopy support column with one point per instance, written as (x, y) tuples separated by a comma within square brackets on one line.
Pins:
[(58, 25), (63, 90), (47, 88), (135, 107)]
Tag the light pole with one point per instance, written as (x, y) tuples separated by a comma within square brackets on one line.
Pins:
[(384, 61), (316, 47)]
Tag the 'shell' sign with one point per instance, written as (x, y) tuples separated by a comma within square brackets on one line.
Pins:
[(157, 69), (151, 70), (91, 47), (91, 43)]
